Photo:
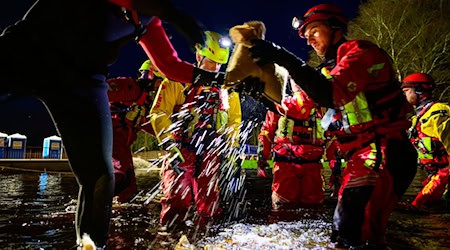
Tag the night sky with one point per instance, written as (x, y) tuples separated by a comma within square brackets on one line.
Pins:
[(29, 117)]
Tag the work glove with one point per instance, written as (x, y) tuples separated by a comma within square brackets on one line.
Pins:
[(251, 86), (265, 52), (312, 82), (263, 168), (254, 87), (207, 78), (186, 25), (175, 157)]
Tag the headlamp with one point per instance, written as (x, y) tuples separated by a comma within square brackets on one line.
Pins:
[(296, 23), (225, 42)]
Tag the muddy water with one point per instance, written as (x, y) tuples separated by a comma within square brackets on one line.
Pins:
[(36, 212)]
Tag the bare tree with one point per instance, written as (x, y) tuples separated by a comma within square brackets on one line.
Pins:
[(415, 33)]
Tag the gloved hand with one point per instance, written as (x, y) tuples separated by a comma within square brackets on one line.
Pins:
[(175, 157), (251, 86), (264, 52), (186, 25), (312, 82), (263, 169), (207, 78)]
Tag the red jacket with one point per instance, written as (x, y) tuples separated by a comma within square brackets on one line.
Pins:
[(364, 71), (298, 124)]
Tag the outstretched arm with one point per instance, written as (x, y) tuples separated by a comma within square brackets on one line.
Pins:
[(164, 9), (311, 81), (159, 49)]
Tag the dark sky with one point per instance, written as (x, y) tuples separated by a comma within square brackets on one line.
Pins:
[(28, 116)]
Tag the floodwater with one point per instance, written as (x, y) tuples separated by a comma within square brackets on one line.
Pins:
[(36, 212)]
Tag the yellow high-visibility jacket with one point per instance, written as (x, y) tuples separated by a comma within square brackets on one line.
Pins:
[(172, 94), (436, 123)]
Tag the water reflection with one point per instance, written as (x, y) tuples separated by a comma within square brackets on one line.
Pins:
[(33, 216), (42, 183)]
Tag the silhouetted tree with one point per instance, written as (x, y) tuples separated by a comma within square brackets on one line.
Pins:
[(415, 34)]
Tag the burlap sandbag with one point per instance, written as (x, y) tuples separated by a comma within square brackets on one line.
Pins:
[(241, 64)]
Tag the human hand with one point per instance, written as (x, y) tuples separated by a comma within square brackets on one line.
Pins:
[(175, 157), (175, 160), (263, 170)]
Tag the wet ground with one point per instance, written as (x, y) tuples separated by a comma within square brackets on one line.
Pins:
[(36, 212)]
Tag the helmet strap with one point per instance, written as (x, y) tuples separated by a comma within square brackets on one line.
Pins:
[(332, 49), (199, 62)]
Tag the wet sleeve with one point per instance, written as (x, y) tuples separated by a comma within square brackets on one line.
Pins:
[(169, 95), (159, 49), (437, 124)]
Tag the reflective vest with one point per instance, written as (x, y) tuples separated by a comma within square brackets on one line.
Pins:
[(203, 116), (355, 113), (300, 131), (431, 151)]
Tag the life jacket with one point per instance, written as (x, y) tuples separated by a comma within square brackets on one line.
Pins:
[(431, 152), (380, 103), (300, 131), (202, 117)]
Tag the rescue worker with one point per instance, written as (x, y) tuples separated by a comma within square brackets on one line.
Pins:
[(296, 138), (130, 101), (430, 134), (363, 93), (71, 45), (195, 124)]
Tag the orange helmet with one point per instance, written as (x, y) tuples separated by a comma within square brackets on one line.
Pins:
[(322, 12), (419, 81)]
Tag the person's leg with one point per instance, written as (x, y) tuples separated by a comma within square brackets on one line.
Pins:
[(401, 166), (82, 117), (286, 188), (433, 191), (177, 190), (124, 175), (206, 187), (358, 182), (312, 184)]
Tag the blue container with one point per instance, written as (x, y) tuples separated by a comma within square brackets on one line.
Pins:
[(3, 145), (251, 149), (17, 145), (52, 147)]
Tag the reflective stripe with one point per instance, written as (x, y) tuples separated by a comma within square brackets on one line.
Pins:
[(326, 73), (371, 157), (285, 127), (375, 67), (355, 112), (369, 179)]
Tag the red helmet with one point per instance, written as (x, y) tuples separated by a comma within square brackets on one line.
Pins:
[(418, 80), (321, 12)]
